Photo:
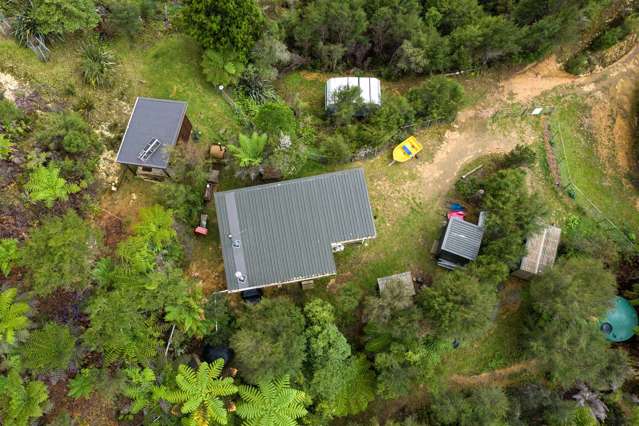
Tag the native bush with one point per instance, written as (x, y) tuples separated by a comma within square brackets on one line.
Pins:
[(335, 149), (48, 349), (60, 254), (6, 147), (481, 406), (124, 18), (97, 65), (438, 99), (67, 131)]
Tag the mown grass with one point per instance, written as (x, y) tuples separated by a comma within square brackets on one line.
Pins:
[(578, 161)]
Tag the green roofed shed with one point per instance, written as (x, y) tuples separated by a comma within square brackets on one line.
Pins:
[(620, 321)]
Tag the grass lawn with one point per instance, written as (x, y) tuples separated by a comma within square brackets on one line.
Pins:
[(579, 163)]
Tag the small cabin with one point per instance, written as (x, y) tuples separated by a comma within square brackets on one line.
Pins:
[(541, 252), (155, 126), (461, 242), (370, 90)]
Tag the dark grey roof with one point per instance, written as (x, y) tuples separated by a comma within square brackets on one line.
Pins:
[(283, 232), (151, 119), (462, 238)]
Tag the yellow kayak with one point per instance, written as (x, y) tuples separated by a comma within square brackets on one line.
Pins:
[(406, 150)]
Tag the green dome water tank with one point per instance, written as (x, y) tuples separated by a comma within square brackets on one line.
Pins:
[(620, 321)]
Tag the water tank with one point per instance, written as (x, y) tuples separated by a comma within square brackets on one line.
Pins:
[(620, 322)]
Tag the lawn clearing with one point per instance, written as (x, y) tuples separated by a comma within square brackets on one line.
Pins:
[(574, 148)]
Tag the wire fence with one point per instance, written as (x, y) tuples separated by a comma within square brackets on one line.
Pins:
[(580, 196)]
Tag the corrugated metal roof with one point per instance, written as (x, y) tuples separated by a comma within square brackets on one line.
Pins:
[(283, 232), (151, 119), (371, 89), (462, 238), (541, 250)]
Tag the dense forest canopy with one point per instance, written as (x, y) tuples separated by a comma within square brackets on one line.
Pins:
[(112, 311)]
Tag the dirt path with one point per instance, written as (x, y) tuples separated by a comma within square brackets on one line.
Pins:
[(499, 377), (472, 136)]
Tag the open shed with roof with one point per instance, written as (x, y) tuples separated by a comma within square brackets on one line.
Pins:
[(370, 90), (461, 242), (287, 232), (155, 126), (541, 252)]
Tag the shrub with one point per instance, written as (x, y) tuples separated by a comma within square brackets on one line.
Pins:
[(438, 99), (21, 402), (335, 149), (59, 17), (123, 18), (45, 184), (275, 119), (578, 64), (13, 316), (8, 254), (48, 349), (221, 68), (98, 64), (67, 131), (60, 254), (253, 84), (347, 103), (521, 155)]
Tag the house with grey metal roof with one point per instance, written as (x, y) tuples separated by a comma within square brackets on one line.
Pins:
[(541, 252), (461, 242), (155, 127), (287, 232)]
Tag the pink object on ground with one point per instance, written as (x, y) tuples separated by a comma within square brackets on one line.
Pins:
[(201, 230), (456, 214)]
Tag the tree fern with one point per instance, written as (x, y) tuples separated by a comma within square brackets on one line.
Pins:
[(12, 316), (48, 349), (20, 402), (272, 403), (8, 254), (140, 388), (45, 184), (199, 393), (250, 151)]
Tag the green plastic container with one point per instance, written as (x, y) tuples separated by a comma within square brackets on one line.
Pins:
[(620, 321)]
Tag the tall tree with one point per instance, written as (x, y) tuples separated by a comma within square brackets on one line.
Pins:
[(200, 393), (562, 324), (233, 25), (272, 403), (270, 341)]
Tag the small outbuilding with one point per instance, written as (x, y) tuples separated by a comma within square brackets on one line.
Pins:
[(405, 278), (287, 232), (370, 88), (541, 252), (461, 242), (155, 126)]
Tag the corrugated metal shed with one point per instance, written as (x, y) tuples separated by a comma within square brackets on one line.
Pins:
[(284, 232), (151, 119), (371, 89), (541, 252), (462, 238)]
